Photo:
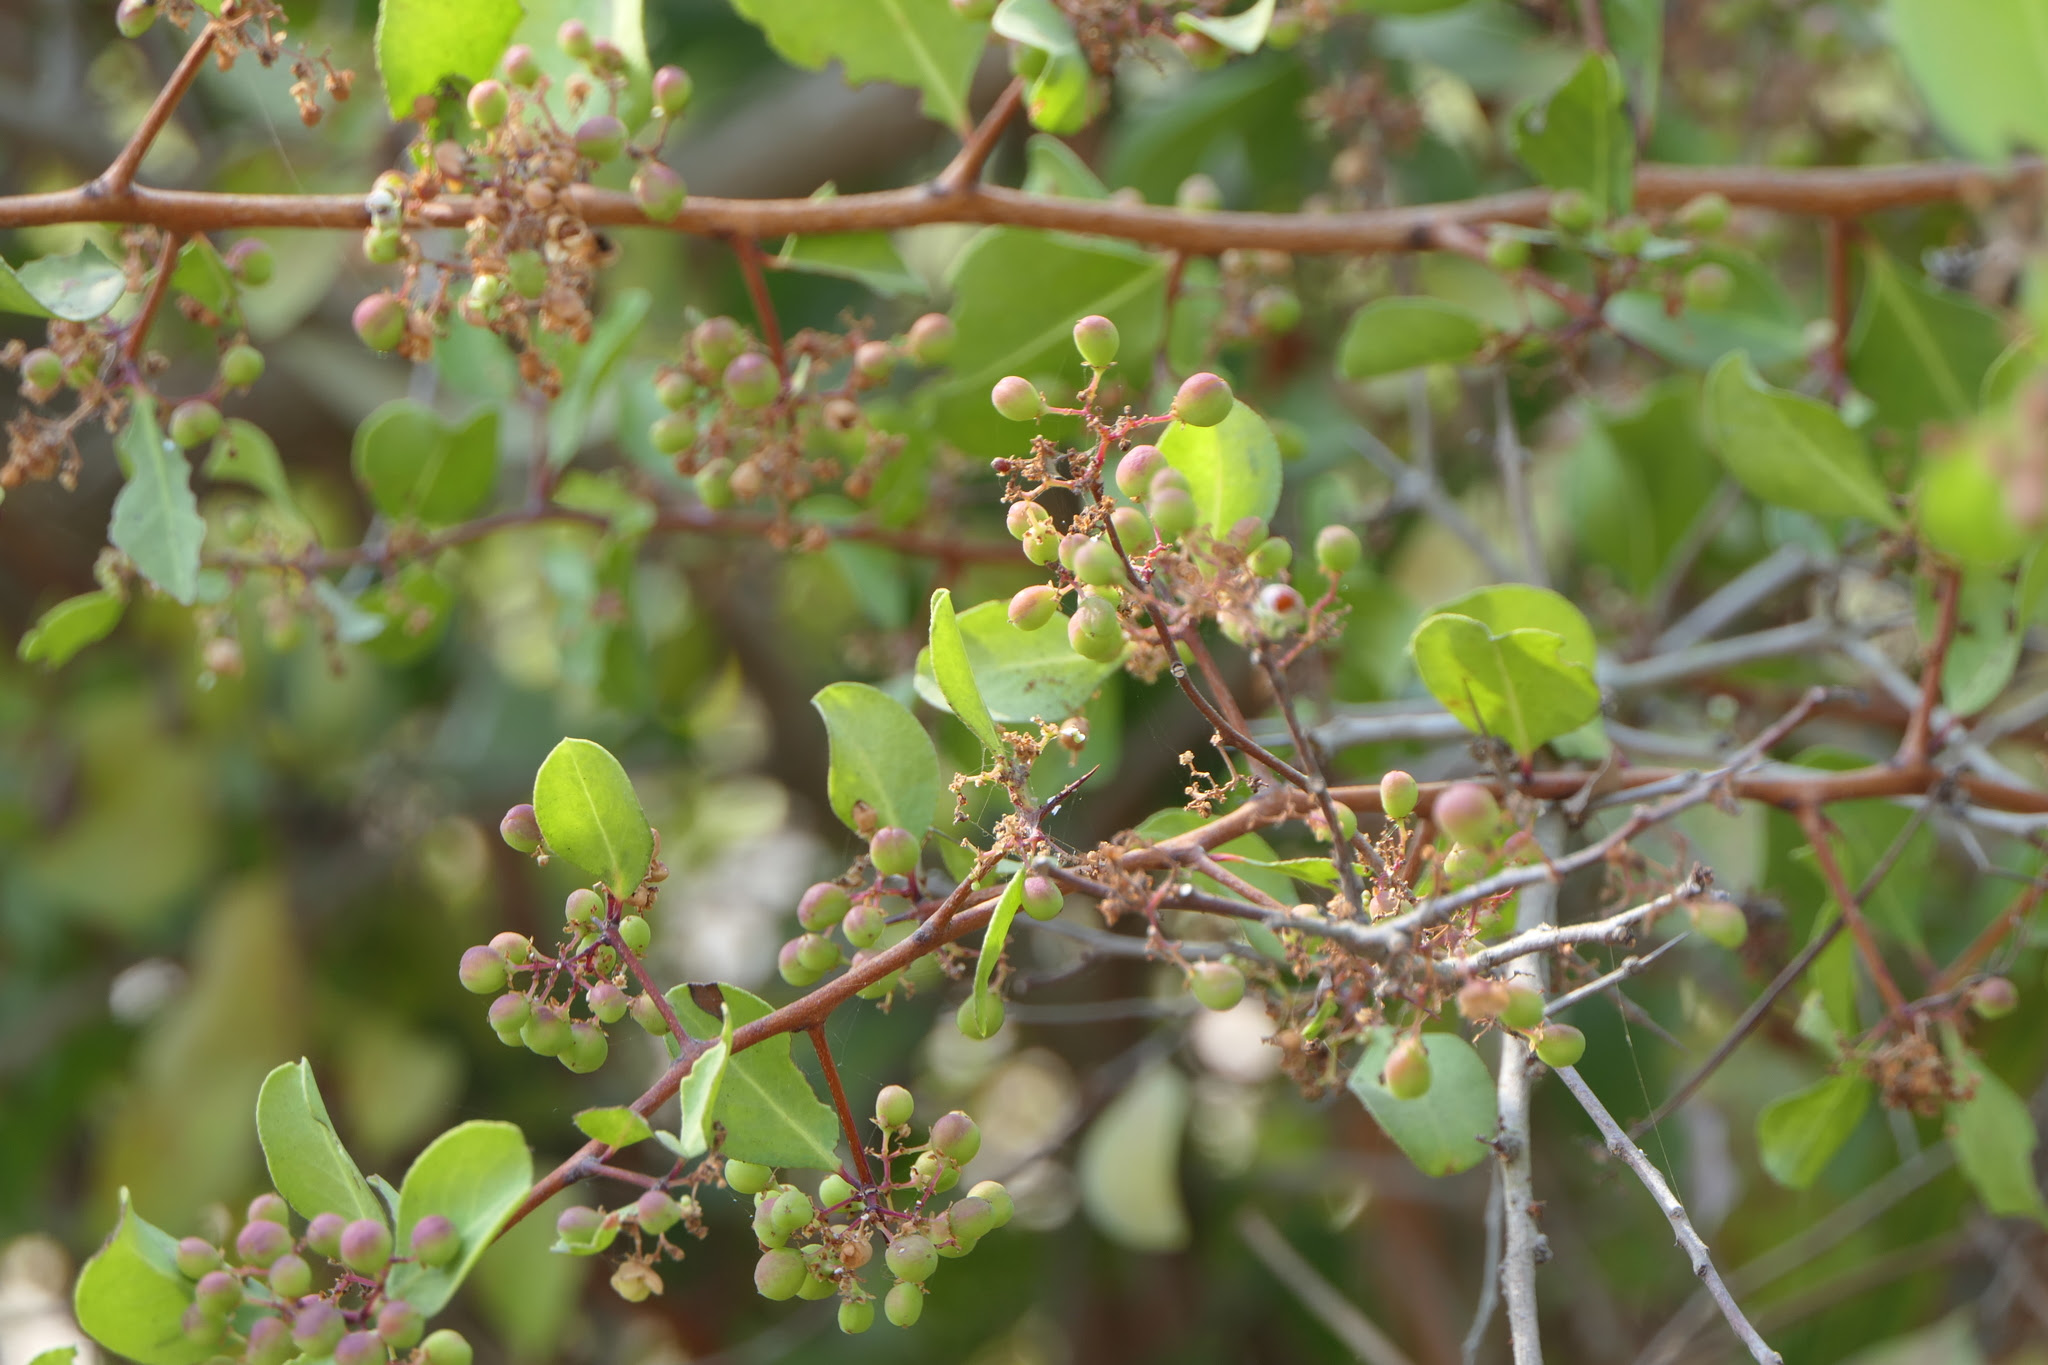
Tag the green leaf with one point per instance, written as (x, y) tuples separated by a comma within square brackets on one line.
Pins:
[(1404, 332), (308, 1165), (78, 288), (415, 465), (1022, 675), (1129, 1170), (768, 1109), (1315, 871), (1981, 67), (1798, 1134), (243, 453), (1994, 1140), (1638, 481), (1962, 506), (1445, 1130), (1635, 30), (590, 814), (70, 626), (881, 758), (700, 1091), (56, 1355), (204, 277), (1243, 32), (1232, 468), (421, 43), (1062, 97), (1516, 685), (1791, 450), (1580, 138), (474, 1175), (955, 674), (156, 520), (1920, 353), (987, 1009), (586, 368), (616, 1126), (131, 1299), (1759, 317), (921, 43), (1052, 167), (1521, 606), (868, 258), (1017, 293)]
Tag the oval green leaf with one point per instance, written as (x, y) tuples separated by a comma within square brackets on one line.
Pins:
[(1446, 1129), (308, 1165), (474, 1175), (881, 758), (1022, 675), (617, 1126), (1581, 138), (70, 626), (1798, 1134), (1994, 1137), (1516, 685), (954, 673), (132, 1300), (1130, 1163), (589, 814), (1232, 468), (78, 288), (1791, 450), (415, 465), (156, 520), (1405, 332)]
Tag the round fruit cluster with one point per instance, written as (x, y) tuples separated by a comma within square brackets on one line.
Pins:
[(871, 917), (602, 938), (816, 1248), (273, 1295)]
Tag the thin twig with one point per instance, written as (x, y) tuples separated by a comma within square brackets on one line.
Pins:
[(749, 253), (114, 182), (1523, 1246), (152, 303), (846, 1119), (965, 167), (1620, 1146), (1489, 1275), (1343, 1317), (1318, 785), (1417, 486), (1913, 749), (1815, 824), (1512, 459), (1630, 966)]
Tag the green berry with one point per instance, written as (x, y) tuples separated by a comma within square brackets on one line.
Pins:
[(574, 40), (241, 366), (1198, 194), (528, 273), (383, 245), (1628, 237), (520, 830), (579, 1224), (260, 1243), (1524, 1009), (1720, 921), (219, 1292), (714, 483), (716, 343), (133, 18), (856, 1316), (253, 262), (1017, 399), (517, 948), (1709, 286), (1203, 400), (745, 1177), (980, 1020), (1043, 899), (323, 1234), (911, 1257), (656, 1212), (587, 1047), (1398, 795), (1097, 563), (546, 1032), (646, 1013), (1560, 1045), (270, 1208), (673, 434), (779, 1274), (816, 952), (956, 1137), (1703, 215), (489, 103), (904, 1304), (1468, 813), (816, 1286), (1994, 997), (893, 851), (932, 1170), (1001, 1206), (1216, 985), (194, 421), (863, 925), (1271, 557), (42, 369), (1407, 1070), (366, 1246), (483, 970), (290, 1277), (520, 66), (635, 933), (659, 191), (674, 389), (1042, 543), (1276, 310), (1095, 337), (1507, 252), (671, 88), (823, 906), (270, 1342), (380, 321), (446, 1347), (792, 1210), (930, 339), (435, 1240), (400, 1324), (1338, 550), (195, 1256), (1070, 545), (1094, 631), (584, 908), (1465, 865), (1172, 511), (318, 1328), (1034, 607), (971, 1218), (893, 1106), (1573, 210), (361, 1348), (874, 360), (1136, 470), (1023, 517), (751, 381)]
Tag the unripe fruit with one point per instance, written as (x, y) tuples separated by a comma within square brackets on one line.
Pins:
[(1469, 814), (912, 1257), (1560, 1045), (42, 369), (1094, 631), (751, 381), (323, 1234), (508, 1014), (1338, 550), (270, 1342), (1136, 470), (489, 104), (1000, 1205), (1703, 215), (1042, 898), (483, 970), (982, 1023), (1994, 997), (675, 390), (932, 1170), (361, 1348), (1525, 1008), (133, 18), (446, 1347), (546, 1032), (219, 1292), (893, 1106), (1216, 985), (671, 88), (520, 66), (382, 245), (241, 366), (1095, 337), (1042, 544), (202, 1328), (1720, 922), (520, 830), (856, 1316), (400, 1324), (673, 434), (1280, 609), (717, 342), (317, 1328), (747, 1178), (1628, 237), (1271, 557), (1398, 794), (714, 483), (260, 1243), (1198, 194), (1134, 529), (792, 1210), (930, 339), (1507, 253), (1203, 400), (863, 925), (1708, 286), (527, 272), (956, 1136), (656, 1212), (435, 1240), (252, 261), (516, 948), (1482, 998), (195, 1256), (380, 321), (1572, 210), (574, 39), (579, 1224), (815, 1285), (1070, 545), (1276, 310), (584, 907), (1407, 1071), (874, 360), (193, 421), (1017, 399), (823, 906), (1023, 516), (904, 1304), (366, 1246), (636, 934), (1465, 865), (587, 1048), (659, 191), (779, 1274), (816, 952), (290, 1277), (1034, 607), (647, 1014), (1172, 511), (894, 851), (1097, 563)]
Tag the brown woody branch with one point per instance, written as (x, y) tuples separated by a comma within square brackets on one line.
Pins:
[(117, 179)]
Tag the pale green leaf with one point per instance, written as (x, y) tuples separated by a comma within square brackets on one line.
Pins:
[(1052, 167), (700, 1090), (421, 43), (1580, 138), (1919, 352), (474, 1175), (1444, 1130), (70, 626), (415, 465), (1130, 1163), (1635, 30), (1517, 685), (131, 1299), (1982, 67), (616, 1126), (78, 287), (308, 1165), (590, 814), (1790, 450), (1403, 332), (881, 758), (767, 1108), (925, 44), (156, 520), (1798, 1134), (1023, 675), (1062, 97), (1503, 607), (986, 1007), (1232, 468), (1243, 32), (955, 673), (1994, 1139)]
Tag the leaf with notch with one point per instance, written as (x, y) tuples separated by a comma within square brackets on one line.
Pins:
[(698, 1095), (1243, 33), (130, 1297), (770, 1113), (1516, 685), (590, 814), (1062, 97), (881, 757), (308, 1165)]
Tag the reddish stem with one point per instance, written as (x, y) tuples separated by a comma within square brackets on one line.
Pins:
[(749, 253), (115, 181), (846, 1119)]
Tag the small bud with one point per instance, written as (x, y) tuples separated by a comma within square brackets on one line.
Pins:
[(1042, 898), (779, 1274), (672, 87), (635, 1281), (1276, 310), (929, 342), (1560, 1045), (911, 1257), (1135, 471), (1034, 607), (904, 1304), (1270, 557), (259, 1244), (894, 851), (380, 321), (520, 66), (133, 18), (1703, 215), (290, 1277), (1095, 337), (1338, 550), (194, 421), (1469, 814), (323, 1234), (1994, 997), (1016, 398), (574, 39), (893, 1106), (1203, 400), (1198, 194), (1719, 921), (600, 138), (489, 104), (400, 1324), (361, 1348), (659, 191), (1407, 1070), (1572, 210), (1505, 251), (636, 934), (483, 970), (1094, 631), (1172, 511), (366, 1246), (751, 381), (241, 366), (1216, 985), (856, 1316), (956, 1137), (1524, 1009), (252, 261)]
